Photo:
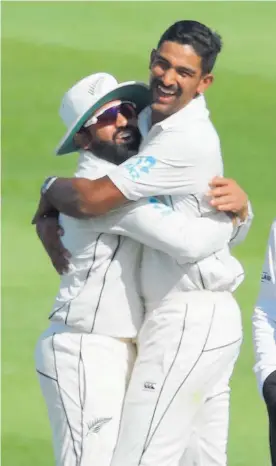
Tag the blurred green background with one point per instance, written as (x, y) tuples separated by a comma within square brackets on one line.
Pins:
[(46, 47)]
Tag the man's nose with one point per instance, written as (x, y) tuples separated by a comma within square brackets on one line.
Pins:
[(121, 120), (169, 77)]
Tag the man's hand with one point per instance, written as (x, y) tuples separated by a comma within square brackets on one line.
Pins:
[(49, 232), (228, 196), (44, 208)]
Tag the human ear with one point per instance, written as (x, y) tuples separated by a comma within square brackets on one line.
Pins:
[(206, 81)]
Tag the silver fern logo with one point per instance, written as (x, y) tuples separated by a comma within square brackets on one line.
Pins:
[(96, 86), (96, 425)]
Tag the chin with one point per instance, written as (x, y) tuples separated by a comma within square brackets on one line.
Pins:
[(161, 111), (160, 108)]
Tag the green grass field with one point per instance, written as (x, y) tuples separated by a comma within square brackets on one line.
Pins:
[(46, 47)]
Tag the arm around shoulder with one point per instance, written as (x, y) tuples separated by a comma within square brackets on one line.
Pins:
[(83, 198)]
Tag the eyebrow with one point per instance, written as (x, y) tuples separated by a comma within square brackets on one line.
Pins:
[(181, 69)]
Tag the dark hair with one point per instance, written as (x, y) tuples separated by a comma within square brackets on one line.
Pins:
[(206, 43)]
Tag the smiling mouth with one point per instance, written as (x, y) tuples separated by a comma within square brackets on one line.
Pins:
[(163, 93), (123, 136)]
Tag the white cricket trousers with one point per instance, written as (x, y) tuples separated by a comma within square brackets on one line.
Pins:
[(177, 402), (83, 378)]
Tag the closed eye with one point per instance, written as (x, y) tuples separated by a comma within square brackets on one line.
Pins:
[(162, 63), (185, 72)]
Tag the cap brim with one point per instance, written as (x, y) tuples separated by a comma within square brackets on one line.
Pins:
[(133, 91)]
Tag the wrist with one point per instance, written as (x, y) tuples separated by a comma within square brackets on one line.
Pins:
[(52, 214), (47, 184), (243, 213)]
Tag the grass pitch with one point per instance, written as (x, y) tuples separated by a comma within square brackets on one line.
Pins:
[(46, 47)]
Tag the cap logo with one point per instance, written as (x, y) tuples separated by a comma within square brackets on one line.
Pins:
[(93, 86)]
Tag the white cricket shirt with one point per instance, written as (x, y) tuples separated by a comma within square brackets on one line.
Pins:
[(177, 159), (101, 293), (267, 295), (98, 294)]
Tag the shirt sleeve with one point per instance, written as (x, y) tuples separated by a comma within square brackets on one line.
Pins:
[(267, 295), (174, 163), (158, 226), (243, 228)]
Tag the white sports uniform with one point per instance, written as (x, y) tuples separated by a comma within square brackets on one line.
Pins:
[(85, 357), (264, 318), (179, 389), (264, 331)]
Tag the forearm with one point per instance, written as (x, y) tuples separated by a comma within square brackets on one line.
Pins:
[(159, 227), (65, 195), (83, 198)]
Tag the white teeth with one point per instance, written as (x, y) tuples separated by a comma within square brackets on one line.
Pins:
[(124, 135), (165, 91)]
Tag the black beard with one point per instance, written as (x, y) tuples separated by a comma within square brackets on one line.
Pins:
[(118, 153)]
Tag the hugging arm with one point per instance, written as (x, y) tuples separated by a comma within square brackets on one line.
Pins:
[(152, 172), (158, 226), (153, 224)]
